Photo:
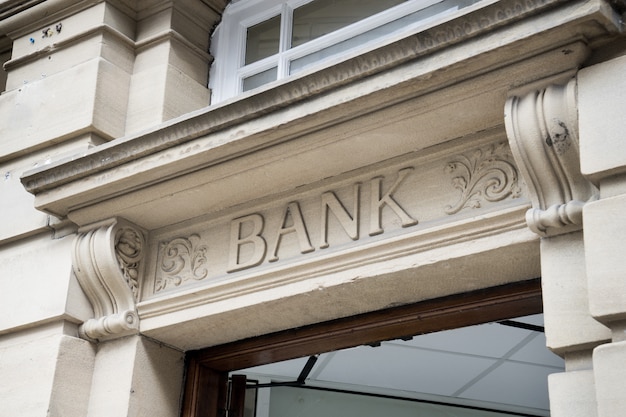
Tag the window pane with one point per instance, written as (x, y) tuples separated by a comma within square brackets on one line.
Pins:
[(262, 40), (259, 79), (324, 16), (423, 15)]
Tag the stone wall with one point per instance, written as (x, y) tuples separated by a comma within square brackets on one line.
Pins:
[(109, 151)]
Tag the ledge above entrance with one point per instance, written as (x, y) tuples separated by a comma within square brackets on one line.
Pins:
[(445, 83)]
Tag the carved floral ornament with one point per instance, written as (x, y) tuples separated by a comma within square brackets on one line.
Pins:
[(485, 175), (107, 261), (181, 259), (542, 128)]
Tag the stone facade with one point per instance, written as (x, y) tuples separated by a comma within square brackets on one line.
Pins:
[(139, 221)]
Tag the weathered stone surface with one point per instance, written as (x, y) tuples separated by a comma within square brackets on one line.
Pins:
[(568, 321), (572, 394), (37, 283), (601, 90), (49, 376), (135, 376), (260, 191)]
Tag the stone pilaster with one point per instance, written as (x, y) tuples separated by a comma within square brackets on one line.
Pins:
[(170, 74), (135, 376), (602, 98), (543, 133)]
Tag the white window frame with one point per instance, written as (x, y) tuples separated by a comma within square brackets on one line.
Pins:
[(229, 42)]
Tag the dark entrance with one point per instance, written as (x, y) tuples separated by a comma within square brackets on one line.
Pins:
[(207, 393)]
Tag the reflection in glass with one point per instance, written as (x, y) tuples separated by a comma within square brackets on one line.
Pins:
[(302, 402), (259, 79), (262, 40), (324, 16), (442, 7)]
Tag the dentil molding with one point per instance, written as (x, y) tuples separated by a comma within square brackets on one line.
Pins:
[(107, 261), (542, 128)]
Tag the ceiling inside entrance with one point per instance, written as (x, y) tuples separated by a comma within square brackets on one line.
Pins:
[(491, 365)]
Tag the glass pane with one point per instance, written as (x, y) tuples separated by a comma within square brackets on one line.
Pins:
[(262, 40), (259, 79), (423, 15), (324, 16), (303, 402)]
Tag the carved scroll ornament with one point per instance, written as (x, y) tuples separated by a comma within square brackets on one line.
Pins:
[(181, 259), (542, 128), (107, 263), (485, 175)]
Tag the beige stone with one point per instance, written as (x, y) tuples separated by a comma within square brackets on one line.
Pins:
[(134, 74), (572, 394), (88, 97), (49, 376), (136, 377), (605, 228), (171, 66), (609, 364), (16, 204), (13, 205), (568, 321), (601, 90), (37, 283)]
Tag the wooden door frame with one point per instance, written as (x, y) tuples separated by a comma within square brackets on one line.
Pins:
[(207, 369)]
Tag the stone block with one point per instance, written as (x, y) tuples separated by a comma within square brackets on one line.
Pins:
[(601, 100), (45, 34), (149, 106), (609, 364), (36, 283), (192, 20), (99, 31), (17, 204), (145, 102), (158, 380), (572, 394), (92, 95), (568, 322), (50, 377), (136, 377), (605, 228), (17, 207), (183, 94)]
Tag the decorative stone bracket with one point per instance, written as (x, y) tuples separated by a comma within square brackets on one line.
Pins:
[(107, 262), (542, 128)]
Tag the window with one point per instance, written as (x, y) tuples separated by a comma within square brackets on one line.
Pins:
[(260, 41)]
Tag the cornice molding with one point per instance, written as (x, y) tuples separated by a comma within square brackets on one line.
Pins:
[(542, 128), (251, 106), (107, 261)]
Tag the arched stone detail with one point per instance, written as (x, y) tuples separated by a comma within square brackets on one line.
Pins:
[(542, 128), (107, 261)]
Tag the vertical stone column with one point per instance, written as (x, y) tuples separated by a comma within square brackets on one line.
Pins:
[(132, 375), (170, 75), (65, 89), (68, 77), (542, 131), (135, 376), (602, 100), (77, 72)]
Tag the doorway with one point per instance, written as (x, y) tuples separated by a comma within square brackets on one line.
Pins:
[(455, 353)]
